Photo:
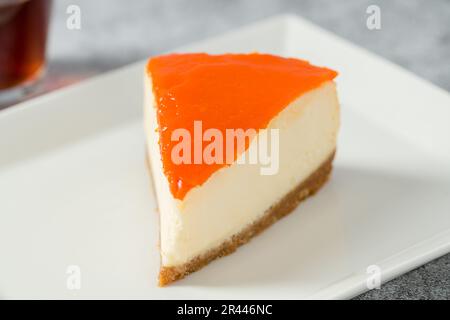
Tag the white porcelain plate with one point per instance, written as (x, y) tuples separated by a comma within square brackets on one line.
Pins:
[(76, 199)]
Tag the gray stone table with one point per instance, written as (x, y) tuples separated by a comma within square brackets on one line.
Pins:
[(414, 34)]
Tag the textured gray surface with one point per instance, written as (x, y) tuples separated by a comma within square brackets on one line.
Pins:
[(414, 34)]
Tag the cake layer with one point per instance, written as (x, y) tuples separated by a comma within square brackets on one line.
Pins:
[(289, 202), (236, 196)]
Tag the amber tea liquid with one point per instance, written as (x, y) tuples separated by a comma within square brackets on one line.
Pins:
[(23, 37)]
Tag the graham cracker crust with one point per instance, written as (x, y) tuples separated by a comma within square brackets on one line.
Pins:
[(290, 201)]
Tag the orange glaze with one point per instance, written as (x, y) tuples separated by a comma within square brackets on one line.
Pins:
[(227, 91)]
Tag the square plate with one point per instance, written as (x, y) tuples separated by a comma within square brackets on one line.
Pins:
[(74, 190)]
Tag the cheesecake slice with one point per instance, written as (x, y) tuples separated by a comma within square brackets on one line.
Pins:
[(234, 143)]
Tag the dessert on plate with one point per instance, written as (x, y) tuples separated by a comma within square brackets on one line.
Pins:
[(234, 143)]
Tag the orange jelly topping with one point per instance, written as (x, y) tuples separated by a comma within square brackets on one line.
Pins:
[(229, 91)]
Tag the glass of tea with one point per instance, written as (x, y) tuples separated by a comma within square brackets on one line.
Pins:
[(23, 38)]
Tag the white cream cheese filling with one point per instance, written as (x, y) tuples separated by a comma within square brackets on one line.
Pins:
[(237, 195)]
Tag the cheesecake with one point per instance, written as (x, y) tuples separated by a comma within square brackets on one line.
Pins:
[(234, 142)]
